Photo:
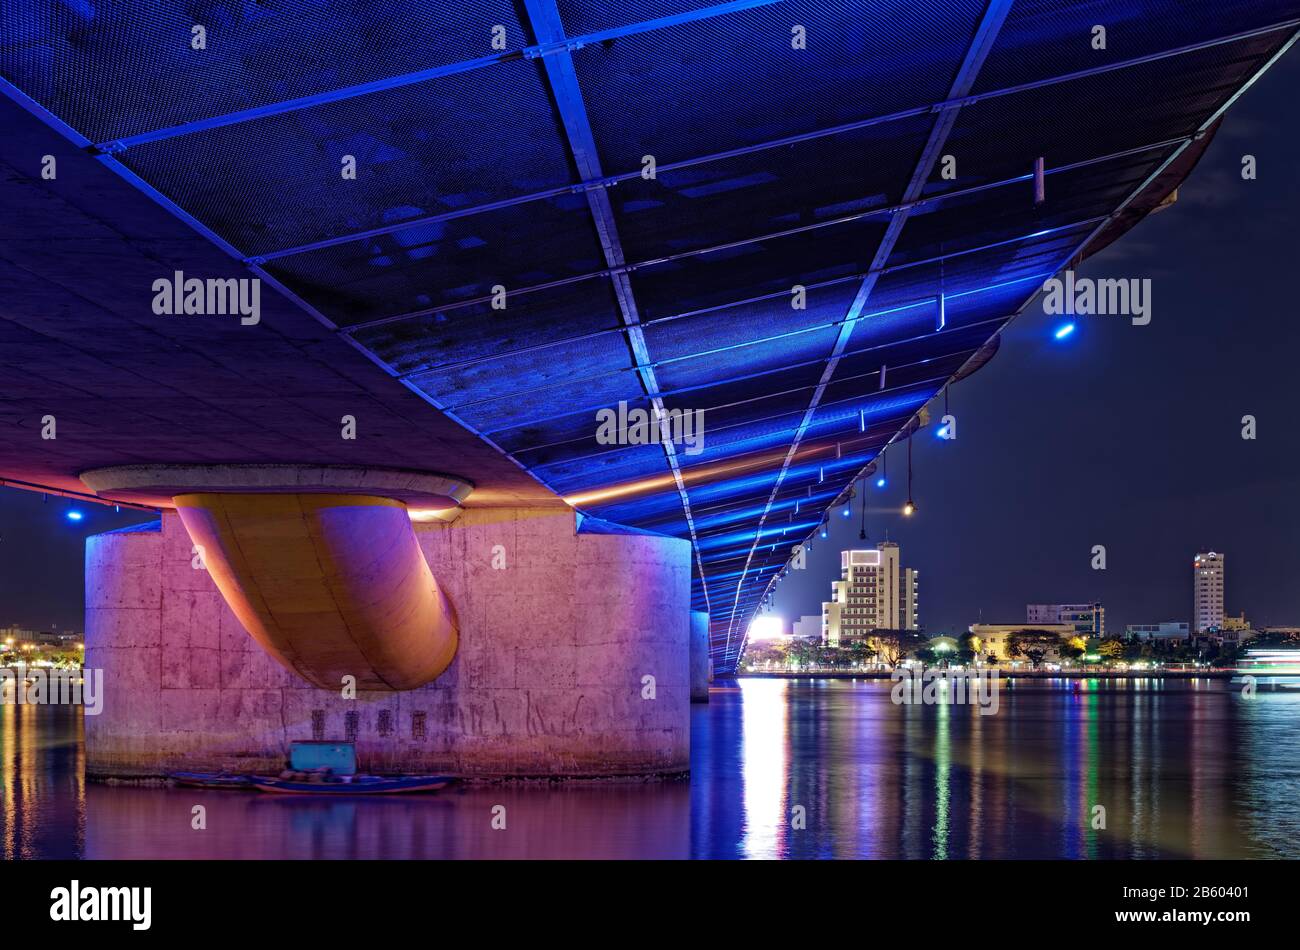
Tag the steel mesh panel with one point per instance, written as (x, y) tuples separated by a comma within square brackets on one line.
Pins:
[(756, 358), (863, 363), (530, 381), (436, 265), (721, 400), (648, 510), (999, 138), (659, 93), (743, 323), (737, 403), (878, 329), (567, 435), (121, 67), (723, 442), (979, 272), (1044, 38), (540, 407), (768, 191), (545, 318), (738, 487), (965, 222), (854, 374), (428, 149), (771, 267), (609, 468), (846, 402), (966, 281), (591, 16)]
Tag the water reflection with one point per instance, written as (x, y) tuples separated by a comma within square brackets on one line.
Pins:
[(1181, 769)]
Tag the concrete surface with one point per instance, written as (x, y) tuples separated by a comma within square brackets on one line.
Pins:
[(701, 668), (558, 632), (157, 485)]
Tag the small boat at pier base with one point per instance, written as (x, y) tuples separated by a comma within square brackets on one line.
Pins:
[(353, 785), (211, 779)]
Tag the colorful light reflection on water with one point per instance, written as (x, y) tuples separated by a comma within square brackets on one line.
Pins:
[(1183, 768)]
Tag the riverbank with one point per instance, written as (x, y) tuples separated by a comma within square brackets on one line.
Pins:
[(1006, 674)]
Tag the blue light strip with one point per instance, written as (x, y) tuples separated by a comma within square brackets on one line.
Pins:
[(682, 390)]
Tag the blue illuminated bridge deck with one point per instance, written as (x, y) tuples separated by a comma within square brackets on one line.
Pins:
[(654, 186)]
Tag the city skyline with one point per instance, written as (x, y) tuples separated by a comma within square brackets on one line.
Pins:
[(1126, 436)]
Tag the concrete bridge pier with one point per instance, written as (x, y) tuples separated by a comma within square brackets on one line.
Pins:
[(701, 663), (572, 646)]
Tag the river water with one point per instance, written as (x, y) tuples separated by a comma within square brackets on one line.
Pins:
[(810, 768)]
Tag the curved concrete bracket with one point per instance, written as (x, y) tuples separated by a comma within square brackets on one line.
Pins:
[(331, 585)]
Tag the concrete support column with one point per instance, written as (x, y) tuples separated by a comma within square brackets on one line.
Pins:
[(573, 659), (701, 663), (332, 586)]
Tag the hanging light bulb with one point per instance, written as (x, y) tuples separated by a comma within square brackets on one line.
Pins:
[(825, 531), (884, 471), (909, 509)]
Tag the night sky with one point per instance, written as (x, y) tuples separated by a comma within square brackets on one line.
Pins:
[(1121, 435)]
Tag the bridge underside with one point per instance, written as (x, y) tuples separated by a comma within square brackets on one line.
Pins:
[(802, 218)]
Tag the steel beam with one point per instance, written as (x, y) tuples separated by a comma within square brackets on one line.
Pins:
[(544, 17)]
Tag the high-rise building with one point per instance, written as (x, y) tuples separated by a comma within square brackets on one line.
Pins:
[(808, 627), (1207, 600), (874, 592), (1088, 619)]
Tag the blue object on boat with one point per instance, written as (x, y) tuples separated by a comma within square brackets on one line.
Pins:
[(339, 757), (360, 785)]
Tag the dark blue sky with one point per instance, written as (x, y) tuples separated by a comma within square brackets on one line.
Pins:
[(1123, 436), (1127, 436)]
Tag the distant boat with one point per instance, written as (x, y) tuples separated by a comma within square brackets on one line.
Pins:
[(1269, 668), (357, 785), (211, 779)]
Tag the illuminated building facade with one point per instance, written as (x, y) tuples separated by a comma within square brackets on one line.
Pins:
[(1207, 601), (874, 592)]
